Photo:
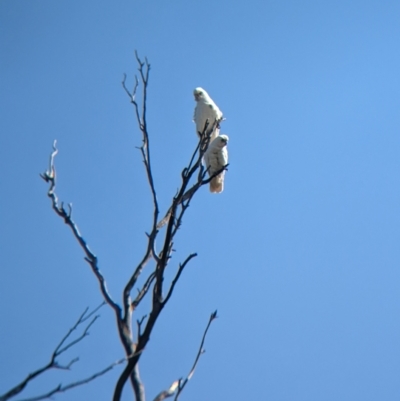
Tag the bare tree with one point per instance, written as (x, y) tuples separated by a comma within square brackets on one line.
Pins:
[(153, 283)]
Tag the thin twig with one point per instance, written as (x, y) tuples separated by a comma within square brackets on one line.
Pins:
[(182, 383), (178, 274), (81, 319), (61, 389), (143, 291), (178, 385), (60, 349), (139, 325)]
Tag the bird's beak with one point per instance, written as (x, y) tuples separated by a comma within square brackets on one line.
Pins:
[(196, 96)]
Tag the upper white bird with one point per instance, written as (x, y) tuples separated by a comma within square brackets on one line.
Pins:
[(205, 110), (215, 158)]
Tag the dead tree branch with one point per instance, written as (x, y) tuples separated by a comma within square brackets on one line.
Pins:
[(124, 327), (62, 347), (172, 220), (168, 393), (50, 177), (178, 385), (182, 383), (62, 389)]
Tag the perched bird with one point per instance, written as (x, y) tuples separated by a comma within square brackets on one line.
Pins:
[(205, 110), (215, 158)]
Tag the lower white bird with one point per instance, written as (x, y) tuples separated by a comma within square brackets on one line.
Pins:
[(205, 110), (215, 158)]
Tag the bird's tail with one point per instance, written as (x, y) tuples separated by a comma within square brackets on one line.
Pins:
[(217, 184)]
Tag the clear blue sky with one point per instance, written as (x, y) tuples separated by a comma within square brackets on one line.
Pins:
[(300, 254)]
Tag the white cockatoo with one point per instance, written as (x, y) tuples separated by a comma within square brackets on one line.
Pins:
[(205, 110), (215, 158)]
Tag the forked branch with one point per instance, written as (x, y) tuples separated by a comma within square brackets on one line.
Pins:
[(64, 345)]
